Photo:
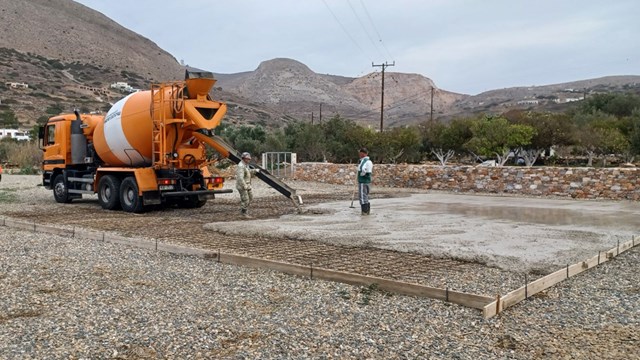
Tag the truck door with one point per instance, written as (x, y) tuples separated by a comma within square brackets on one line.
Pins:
[(52, 146)]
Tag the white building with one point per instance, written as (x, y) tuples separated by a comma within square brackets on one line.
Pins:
[(528, 102), (14, 134), (123, 86), (16, 85)]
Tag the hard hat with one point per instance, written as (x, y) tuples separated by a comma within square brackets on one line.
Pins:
[(246, 155)]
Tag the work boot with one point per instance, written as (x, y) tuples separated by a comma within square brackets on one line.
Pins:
[(367, 208), (244, 213), (362, 209)]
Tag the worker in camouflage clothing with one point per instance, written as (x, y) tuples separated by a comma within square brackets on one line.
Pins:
[(243, 183)]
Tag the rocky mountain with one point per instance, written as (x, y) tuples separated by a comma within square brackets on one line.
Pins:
[(70, 32), (57, 55), (291, 88)]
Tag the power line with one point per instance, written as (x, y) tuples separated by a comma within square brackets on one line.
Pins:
[(375, 29), (364, 28), (343, 27), (394, 105)]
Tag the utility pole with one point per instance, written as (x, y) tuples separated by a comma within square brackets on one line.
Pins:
[(312, 118), (431, 115), (320, 121), (384, 66)]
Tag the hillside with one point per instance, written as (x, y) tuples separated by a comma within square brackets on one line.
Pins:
[(293, 89), (71, 32), (547, 97), (67, 55)]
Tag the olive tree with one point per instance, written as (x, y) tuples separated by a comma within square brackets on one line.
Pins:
[(494, 135)]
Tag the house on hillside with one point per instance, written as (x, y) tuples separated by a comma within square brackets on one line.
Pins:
[(123, 86), (566, 100), (15, 85), (94, 89), (19, 135), (528, 102)]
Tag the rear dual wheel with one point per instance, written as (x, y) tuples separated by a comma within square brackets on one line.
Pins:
[(130, 200), (109, 192)]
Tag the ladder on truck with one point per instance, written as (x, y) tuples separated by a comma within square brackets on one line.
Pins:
[(159, 101)]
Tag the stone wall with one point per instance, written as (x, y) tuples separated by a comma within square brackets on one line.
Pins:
[(581, 183)]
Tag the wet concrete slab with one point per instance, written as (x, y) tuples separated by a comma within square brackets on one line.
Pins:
[(516, 234)]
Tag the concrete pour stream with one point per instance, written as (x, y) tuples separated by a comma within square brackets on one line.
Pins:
[(515, 234)]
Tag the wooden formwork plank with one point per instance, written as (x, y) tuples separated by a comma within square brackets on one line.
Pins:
[(546, 282), (182, 250), (490, 310), (513, 298), (22, 225), (54, 230), (623, 247), (469, 300), (117, 239), (399, 287), (89, 235), (266, 264), (626, 246)]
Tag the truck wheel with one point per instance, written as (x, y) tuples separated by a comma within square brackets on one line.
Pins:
[(60, 190), (109, 192), (129, 198)]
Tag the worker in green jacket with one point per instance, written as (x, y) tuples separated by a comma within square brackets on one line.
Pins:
[(365, 168)]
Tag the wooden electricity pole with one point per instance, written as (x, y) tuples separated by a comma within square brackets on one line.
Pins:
[(431, 115), (384, 66)]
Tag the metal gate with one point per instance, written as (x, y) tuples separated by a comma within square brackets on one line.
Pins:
[(280, 164)]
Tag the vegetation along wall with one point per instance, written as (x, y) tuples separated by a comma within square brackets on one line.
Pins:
[(580, 183)]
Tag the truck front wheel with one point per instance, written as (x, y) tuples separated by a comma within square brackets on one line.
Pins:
[(109, 192), (60, 190), (129, 198)]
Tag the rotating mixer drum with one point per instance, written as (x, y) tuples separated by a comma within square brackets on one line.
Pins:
[(124, 137)]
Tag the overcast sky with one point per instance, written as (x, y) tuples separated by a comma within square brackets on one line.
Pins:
[(466, 46)]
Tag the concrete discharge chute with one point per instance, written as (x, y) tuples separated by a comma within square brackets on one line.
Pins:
[(227, 151), (149, 149)]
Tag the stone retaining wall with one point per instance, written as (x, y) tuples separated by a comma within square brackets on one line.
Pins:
[(581, 183)]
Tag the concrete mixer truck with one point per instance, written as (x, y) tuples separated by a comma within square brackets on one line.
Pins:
[(149, 149)]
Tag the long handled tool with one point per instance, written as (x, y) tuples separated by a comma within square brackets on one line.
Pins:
[(353, 196)]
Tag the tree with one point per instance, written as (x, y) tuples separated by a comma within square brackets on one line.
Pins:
[(599, 134), (634, 136), (494, 135), (398, 145), (342, 139), (619, 105), (444, 140), (8, 119), (245, 138), (306, 140), (551, 129)]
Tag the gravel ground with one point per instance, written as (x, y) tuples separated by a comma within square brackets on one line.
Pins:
[(72, 298)]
